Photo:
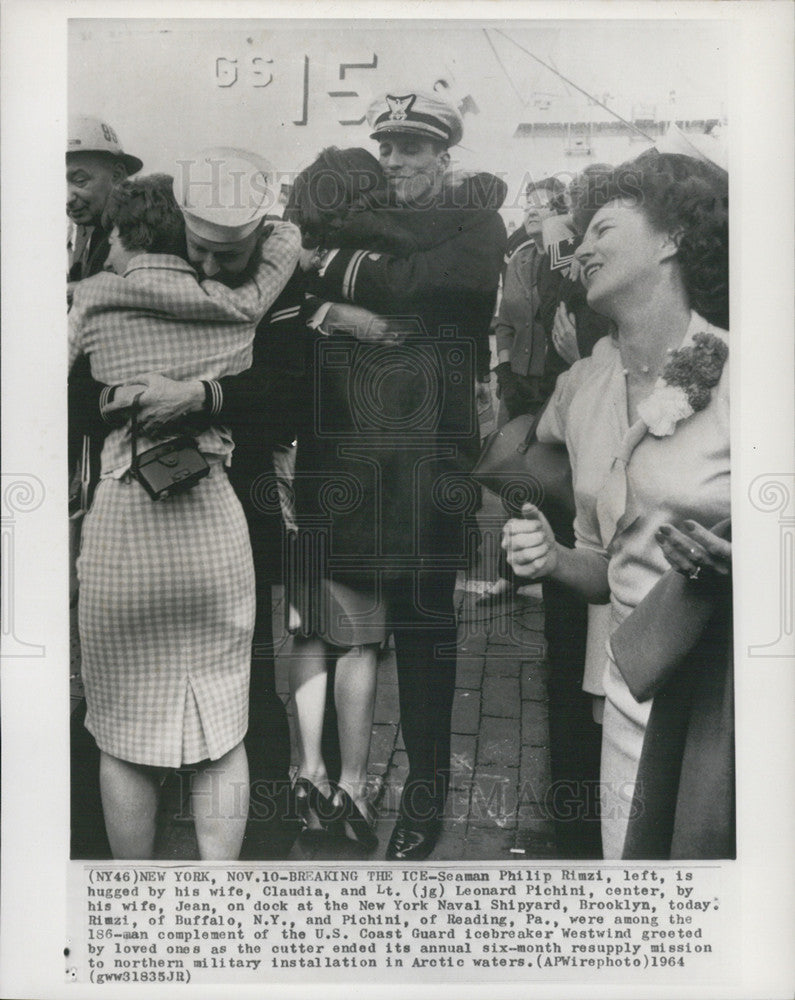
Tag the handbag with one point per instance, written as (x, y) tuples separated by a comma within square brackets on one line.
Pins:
[(519, 468), (168, 468), (646, 646)]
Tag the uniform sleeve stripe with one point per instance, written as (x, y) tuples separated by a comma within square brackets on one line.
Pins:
[(105, 398), (285, 314), (215, 397), (356, 261), (350, 274)]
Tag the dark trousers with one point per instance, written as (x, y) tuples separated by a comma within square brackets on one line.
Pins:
[(574, 738), (272, 825), (424, 627)]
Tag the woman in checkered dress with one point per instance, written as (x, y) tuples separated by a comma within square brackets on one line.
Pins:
[(166, 608)]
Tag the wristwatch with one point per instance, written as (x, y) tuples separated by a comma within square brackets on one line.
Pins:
[(320, 258)]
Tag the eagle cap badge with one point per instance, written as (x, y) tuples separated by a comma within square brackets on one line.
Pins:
[(399, 107)]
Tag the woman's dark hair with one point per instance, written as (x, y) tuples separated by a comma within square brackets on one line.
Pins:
[(147, 216), (556, 189), (340, 181), (683, 196)]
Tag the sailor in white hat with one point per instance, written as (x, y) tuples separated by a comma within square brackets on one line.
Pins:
[(95, 162), (225, 196)]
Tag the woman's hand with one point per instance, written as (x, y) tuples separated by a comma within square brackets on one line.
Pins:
[(483, 395), (363, 325), (530, 544), (162, 401), (693, 549), (564, 335), (118, 411)]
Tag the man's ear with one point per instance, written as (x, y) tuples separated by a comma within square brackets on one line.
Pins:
[(119, 172), (444, 159)]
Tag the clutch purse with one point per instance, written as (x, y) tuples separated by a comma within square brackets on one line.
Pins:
[(168, 468), (519, 468)]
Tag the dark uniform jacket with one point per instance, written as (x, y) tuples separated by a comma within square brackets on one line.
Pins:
[(396, 427)]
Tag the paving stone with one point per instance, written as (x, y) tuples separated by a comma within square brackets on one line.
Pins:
[(529, 642), (534, 771), (502, 634), (387, 707), (462, 755), (488, 842), (534, 845), (499, 743), (501, 697), (457, 806), (494, 798), (466, 711), (535, 724), (397, 774), (387, 667), (534, 682), (540, 830), (382, 744), (451, 843), (469, 671), (505, 661), (473, 643), (533, 807)]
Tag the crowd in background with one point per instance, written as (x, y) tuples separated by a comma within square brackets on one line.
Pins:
[(259, 401)]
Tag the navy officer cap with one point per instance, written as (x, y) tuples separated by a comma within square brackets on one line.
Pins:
[(417, 113)]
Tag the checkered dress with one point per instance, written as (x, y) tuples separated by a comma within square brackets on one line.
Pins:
[(166, 617), (166, 610)]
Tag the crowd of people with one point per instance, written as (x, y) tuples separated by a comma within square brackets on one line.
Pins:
[(210, 340)]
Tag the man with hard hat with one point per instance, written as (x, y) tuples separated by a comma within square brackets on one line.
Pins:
[(95, 161), (224, 198), (423, 530)]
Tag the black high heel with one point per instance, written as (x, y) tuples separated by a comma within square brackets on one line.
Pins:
[(348, 812), (312, 801)]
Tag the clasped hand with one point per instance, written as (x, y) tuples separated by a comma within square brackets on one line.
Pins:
[(364, 325), (162, 401), (530, 544)]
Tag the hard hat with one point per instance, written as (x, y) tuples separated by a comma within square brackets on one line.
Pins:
[(91, 135)]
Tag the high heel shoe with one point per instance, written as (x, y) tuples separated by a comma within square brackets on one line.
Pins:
[(348, 813), (311, 801)]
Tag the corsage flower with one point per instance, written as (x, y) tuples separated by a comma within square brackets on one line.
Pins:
[(685, 385)]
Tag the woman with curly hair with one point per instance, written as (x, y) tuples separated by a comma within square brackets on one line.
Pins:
[(646, 423)]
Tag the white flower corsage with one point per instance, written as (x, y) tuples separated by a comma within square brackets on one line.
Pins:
[(686, 384), (662, 411)]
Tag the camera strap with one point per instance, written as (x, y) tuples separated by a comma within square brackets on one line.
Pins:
[(134, 433)]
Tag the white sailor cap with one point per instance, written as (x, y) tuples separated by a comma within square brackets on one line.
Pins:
[(223, 192), (415, 113), (88, 134)]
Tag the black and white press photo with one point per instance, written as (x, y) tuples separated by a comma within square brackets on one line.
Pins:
[(415, 558)]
